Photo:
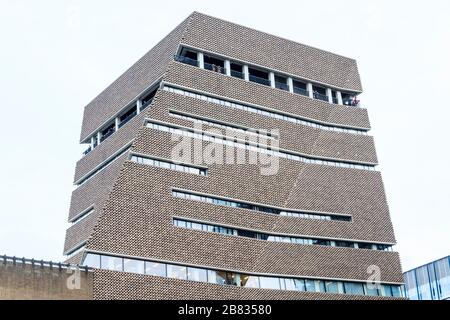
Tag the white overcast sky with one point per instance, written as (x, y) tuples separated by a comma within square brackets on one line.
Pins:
[(56, 56)]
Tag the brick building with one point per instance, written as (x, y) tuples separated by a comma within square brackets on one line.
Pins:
[(157, 228)]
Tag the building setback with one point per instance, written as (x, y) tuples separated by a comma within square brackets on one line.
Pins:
[(155, 228)]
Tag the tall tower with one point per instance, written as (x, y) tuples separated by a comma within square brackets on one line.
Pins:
[(296, 209)]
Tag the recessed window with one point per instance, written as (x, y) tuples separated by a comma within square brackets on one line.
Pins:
[(269, 283), (236, 70), (214, 64), (155, 269), (281, 83), (320, 93), (112, 263), (176, 272), (259, 76), (354, 288), (197, 274), (132, 265)]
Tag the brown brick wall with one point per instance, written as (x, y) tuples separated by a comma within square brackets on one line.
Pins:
[(95, 190), (80, 231), (238, 89), (132, 82), (25, 282), (295, 137), (273, 52), (120, 285)]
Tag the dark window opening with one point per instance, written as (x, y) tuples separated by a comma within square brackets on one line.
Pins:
[(259, 76), (320, 93), (281, 83), (349, 99), (300, 88), (214, 64), (362, 245), (188, 57), (109, 130), (127, 116), (321, 242), (344, 244), (236, 70), (247, 234), (146, 100), (334, 96)]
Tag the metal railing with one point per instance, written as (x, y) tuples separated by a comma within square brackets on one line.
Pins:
[(145, 104), (301, 91), (282, 86), (41, 263), (128, 118), (215, 68), (320, 96), (259, 80), (237, 74), (186, 60)]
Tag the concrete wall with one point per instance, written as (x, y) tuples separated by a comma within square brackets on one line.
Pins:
[(26, 282)]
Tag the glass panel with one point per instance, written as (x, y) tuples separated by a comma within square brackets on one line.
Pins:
[(233, 279), (269, 283), (218, 277), (371, 289), (197, 274), (442, 268), (423, 283), (411, 285), (155, 269), (310, 286), (249, 281), (176, 272), (131, 265), (331, 287), (320, 286), (354, 288), (396, 292), (112, 263), (92, 260)]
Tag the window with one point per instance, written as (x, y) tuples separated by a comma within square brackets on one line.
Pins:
[(109, 130), (218, 277), (233, 279), (188, 57), (344, 244), (269, 283), (363, 245), (147, 99), (310, 285), (155, 269), (236, 70), (320, 93), (249, 281), (259, 76), (92, 260), (295, 284), (300, 88), (331, 287), (371, 289), (354, 288), (321, 242), (214, 64), (176, 272), (127, 116), (135, 266), (281, 83), (112, 263), (197, 274)]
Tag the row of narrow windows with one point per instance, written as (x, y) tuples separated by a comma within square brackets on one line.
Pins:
[(256, 207), (206, 275), (168, 165), (277, 238), (205, 136), (250, 131), (265, 77), (263, 112), (115, 124)]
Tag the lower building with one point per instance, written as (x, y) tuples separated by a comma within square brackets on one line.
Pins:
[(430, 281)]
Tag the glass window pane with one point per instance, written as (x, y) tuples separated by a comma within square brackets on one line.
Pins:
[(310, 285), (176, 272), (155, 269), (396, 292), (197, 274), (92, 260), (132, 265), (218, 277), (269, 283), (249, 281), (320, 286), (371, 289), (354, 288), (331, 287), (112, 263)]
